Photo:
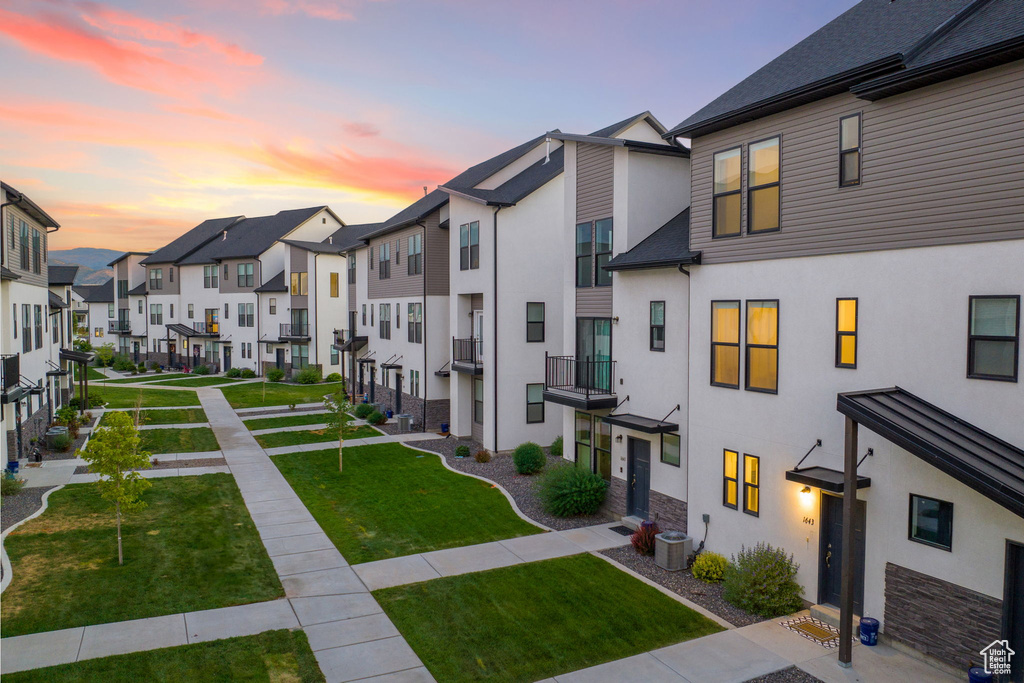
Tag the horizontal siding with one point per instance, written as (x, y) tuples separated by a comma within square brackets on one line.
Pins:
[(940, 165), (435, 256), (229, 284), (13, 255), (595, 169), (351, 291), (476, 302), (400, 283), (594, 302)]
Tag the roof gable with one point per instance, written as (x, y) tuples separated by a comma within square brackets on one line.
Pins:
[(191, 241)]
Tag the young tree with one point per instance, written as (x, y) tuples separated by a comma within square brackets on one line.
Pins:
[(105, 355), (338, 406), (113, 452)]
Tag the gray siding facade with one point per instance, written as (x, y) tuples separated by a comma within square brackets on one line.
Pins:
[(594, 302), (168, 286), (28, 275), (435, 256), (595, 184), (299, 261), (400, 283), (229, 283)]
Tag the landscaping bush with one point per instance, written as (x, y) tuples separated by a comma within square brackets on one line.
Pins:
[(333, 377), (762, 581), (275, 374), (158, 369), (248, 373), (556, 447), (376, 418), (201, 370), (62, 442), (482, 456), (567, 491), (9, 485), (643, 538), (462, 451), (142, 368), (363, 410), (95, 401), (82, 345), (104, 355), (123, 364), (135, 370), (309, 375), (233, 372), (709, 567), (528, 458)]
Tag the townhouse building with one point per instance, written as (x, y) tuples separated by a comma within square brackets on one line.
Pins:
[(129, 325), (858, 211), (97, 312)]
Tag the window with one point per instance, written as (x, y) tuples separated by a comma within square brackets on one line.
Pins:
[(25, 250), (534, 403), (657, 326), (334, 356), (398, 316), (371, 315), (300, 322), (273, 305), (584, 439), (371, 258), (763, 346), (300, 284), (156, 278), (849, 150), (225, 272), (245, 278), (415, 255), (727, 198), (38, 326), (170, 274), (210, 274), (535, 322), (191, 311), (670, 449), (931, 522), (246, 315), (335, 286), (478, 400), (26, 325), (156, 314), (351, 269), (414, 382), (97, 332), (993, 337), (15, 311), (140, 306), (469, 246), (212, 318), (364, 314), (751, 485), (10, 232), (603, 448), (385, 321), (110, 310), (603, 249), (398, 251), (763, 186), (37, 253), (300, 356), (226, 311), (384, 272), (846, 333), (725, 344), (730, 479), (172, 311), (122, 289), (584, 243), (416, 323)]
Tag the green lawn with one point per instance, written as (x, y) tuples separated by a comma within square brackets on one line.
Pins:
[(536, 620), (278, 394), (278, 656), (92, 374), (148, 377), (287, 421), (169, 416), (193, 547), (197, 381), (125, 397), (277, 439), (192, 440), (392, 501)]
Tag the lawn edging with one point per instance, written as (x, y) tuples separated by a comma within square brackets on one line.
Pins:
[(6, 561)]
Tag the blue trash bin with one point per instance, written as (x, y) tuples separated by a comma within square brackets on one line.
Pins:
[(390, 414), (444, 427), (976, 674), (868, 631)]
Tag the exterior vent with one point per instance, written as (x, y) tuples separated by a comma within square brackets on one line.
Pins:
[(224, 236), (672, 550)]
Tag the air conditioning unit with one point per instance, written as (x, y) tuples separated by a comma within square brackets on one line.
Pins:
[(672, 550)]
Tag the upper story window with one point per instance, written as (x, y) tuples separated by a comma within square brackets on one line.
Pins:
[(191, 311), (156, 314), (727, 199), (763, 186), (993, 337), (351, 269), (385, 261), (245, 275), (170, 274), (725, 344), (210, 277), (469, 246), (25, 250), (763, 346), (300, 284), (110, 310), (156, 278), (122, 289), (415, 256), (272, 303), (584, 265), (846, 333), (370, 260), (384, 321), (657, 326), (603, 251), (37, 252), (364, 314), (593, 246), (416, 323), (535, 322), (849, 150), (398, 252), (335, 286)]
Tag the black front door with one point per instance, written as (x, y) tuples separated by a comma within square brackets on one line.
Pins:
[(172, 355), (1013, 608), (831, 553), (135, 351), (227, 358), (638, 492), (280, 359)]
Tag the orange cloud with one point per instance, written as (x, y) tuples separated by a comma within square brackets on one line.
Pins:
[(92, 225), (319, 9), (360, 130)]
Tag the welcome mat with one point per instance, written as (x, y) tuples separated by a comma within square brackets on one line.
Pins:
[(813, 629), (621, 530)]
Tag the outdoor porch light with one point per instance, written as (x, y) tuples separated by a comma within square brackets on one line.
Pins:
[(618, 438), (806, 489)]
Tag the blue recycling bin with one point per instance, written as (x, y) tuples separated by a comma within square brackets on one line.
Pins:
[(868, 631), (390, 414), (977, 674), (444, 427)]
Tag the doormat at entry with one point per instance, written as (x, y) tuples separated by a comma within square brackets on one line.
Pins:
[(813, 629), (621, 530)]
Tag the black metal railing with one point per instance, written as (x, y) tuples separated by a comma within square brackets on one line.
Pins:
[(579, 375), (469, 351), (11, 371), (119, 327), (206, 328), (294, 330), (340, 337)]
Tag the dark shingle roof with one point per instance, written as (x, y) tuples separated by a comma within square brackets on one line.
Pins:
[(29, 207), (274, 284), (139, 290), (56, 301), (7, 274), (666, 247), (514, 189), (315, 247), (351, 236), (127, 254), (616, 128), (97, 294), (62, 275), (191, 240), (251, 237)]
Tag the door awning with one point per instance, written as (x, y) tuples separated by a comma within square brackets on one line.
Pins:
[(75, 356), (642, 424), (824, 478), (989, 465)]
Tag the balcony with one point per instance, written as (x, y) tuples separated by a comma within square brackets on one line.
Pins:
[(580, 382), (344, 340), (10, 371), (119, 327), (468, 356), (294, 331)]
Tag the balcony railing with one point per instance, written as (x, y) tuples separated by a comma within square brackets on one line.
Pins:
[(206, 328), (10, 371), (294, 330), (580, 376), (340, 337), (468, 351), (119, 327)]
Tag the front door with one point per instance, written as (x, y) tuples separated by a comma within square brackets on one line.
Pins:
[(1013, 608), (172, 356), (227, 358), (478, 334), (280, 359), (638, 491), (831, 552), (135, 351)]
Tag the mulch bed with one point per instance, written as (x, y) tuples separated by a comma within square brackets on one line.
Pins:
[(501, 470), (707, 595), (172, 464), (15, 508), (790, 675)]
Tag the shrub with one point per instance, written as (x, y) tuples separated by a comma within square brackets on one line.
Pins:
[(104, 355), (309, 375), (62, 442), (462, 451), (158, 369), (567, 491), (643, 539), (9, 485), (333, 377), (68, 417), (482, 456), (363, 410), (709, 567), (95, 401), (123, 364), (135, 370), (233, 372), (556, 447), (528, 457), (762, 581), (201, 370), (142, 368), (376, 418), (275, 374), (82, 345), (248, 373)]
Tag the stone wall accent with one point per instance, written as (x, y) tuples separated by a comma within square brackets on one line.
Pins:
[(270, 365), (940, 619), (437, 409), (33, 426), (669, 512)]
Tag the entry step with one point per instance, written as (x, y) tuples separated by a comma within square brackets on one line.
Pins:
[(830, 615)]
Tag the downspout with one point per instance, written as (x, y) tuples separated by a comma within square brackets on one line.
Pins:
[(425, 383), (316, 337), (259, 351), (494, 315)]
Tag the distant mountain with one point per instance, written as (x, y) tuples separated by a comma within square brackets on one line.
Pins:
[(93, 259)]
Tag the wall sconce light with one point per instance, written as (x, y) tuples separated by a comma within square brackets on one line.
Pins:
[(618, 438), (806, 489), (615, 320)]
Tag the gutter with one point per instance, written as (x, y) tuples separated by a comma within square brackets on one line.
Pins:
[(259, 351), (423, 422), (494, 315)]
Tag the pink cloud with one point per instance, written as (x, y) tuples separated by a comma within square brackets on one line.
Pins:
[(360, 130), (319, 9)]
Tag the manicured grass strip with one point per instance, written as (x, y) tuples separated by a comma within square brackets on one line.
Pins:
[(148, 377), (272, 656), (192, 440), (251, 395), (125, 397), (536, 620), (199, 381), (92, 373), (287, 421), (391, 501), (193, 547), (277, 439), (169, 416)]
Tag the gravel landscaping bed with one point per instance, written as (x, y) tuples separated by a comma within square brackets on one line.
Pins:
[(501, 470), (69, 454), (790, 675), (172, 464), (15, 508), (707, 595)]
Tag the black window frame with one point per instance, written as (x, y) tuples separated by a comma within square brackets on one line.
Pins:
[(734, 479), (384, 321), (351, 269), (971, 338), (478, 403), (752, 189), (530, 404), (37, 252), (945, 508), (371, 258), (364, 316), (679, 449), (191, 311), (398, 251), (414, 257), (851, 150), (602, 277), (588, 257), (747, 486), (245, 274), (841, 334), (335, 285), (469, 253), (656, 328), (533, 325), (589, 445), (384, 261), (747, 346), (415, 327), (156, 278), (272, 305), (715, 196), (736, 345)]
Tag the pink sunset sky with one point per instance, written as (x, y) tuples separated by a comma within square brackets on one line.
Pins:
[(130, 122)]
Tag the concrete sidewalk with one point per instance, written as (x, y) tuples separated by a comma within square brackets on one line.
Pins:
[(352, 443)]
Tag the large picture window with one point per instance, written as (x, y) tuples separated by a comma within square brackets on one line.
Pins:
[(469, 246), (763, 186), (670, 449), (993, 337), (583, 439), (751, 485), (730, 479), (846, 333), (245, 275), (478, 400), (584, 255), (849, 150), (763, 346), (727, 197), (725, 344), (535, 322), (534, 403), (931, 522), (415, 258), (602, 251), (657, 326), (300, 284)]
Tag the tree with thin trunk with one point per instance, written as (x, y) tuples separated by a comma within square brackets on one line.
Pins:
[(114, 453), (337, 406)]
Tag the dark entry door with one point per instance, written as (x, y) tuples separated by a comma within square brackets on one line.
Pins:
[(831, 552), (172, 355), (1013, 608), (227, 358), (280, 359), (639, 484), (135, 351)]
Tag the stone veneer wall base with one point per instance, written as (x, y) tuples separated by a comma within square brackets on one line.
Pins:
[(669, 512)]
